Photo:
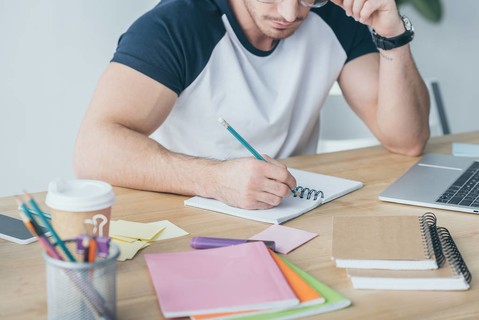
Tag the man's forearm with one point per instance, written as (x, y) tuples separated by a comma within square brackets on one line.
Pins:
[(403, 103), (126, 158)]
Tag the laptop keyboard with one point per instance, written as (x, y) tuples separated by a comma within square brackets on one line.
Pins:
[(465, 190)]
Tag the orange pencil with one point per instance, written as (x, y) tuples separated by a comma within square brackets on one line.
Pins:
[(92, 250)]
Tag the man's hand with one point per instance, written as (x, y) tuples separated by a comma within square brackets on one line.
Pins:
[(381, 15), (249, 183)]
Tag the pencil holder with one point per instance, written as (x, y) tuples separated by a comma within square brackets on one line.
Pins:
[(79, 290)]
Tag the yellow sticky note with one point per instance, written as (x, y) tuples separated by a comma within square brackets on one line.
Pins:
[(129, 249), (122, 238), (135, 230), (170, 230)]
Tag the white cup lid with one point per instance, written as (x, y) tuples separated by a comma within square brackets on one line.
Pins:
[(79, 195)]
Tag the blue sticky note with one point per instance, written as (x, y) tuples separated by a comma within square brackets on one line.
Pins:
[(465, 149)]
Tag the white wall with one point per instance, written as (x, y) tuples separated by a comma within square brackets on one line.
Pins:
[(52, 53), (449, 52)]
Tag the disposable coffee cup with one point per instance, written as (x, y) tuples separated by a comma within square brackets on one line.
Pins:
[(71, 202)]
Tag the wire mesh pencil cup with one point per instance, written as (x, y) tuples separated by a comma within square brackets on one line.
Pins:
[(81, 290)]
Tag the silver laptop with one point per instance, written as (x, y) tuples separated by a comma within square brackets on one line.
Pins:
[(438, 181)]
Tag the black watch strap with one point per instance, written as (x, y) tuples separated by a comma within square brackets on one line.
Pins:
[(397, 41)]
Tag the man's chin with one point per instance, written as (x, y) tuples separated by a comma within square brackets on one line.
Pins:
[(279, 34)]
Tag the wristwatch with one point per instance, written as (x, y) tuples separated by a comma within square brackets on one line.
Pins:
[(397, 41)]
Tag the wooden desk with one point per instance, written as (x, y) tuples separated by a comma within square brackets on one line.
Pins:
[(22, 270)]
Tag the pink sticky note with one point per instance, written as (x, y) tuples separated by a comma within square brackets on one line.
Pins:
[(286, 238)]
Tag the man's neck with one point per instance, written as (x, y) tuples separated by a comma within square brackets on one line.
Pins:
[(249, 28)]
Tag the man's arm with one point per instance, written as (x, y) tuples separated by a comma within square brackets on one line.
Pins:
[(113, 145), (386, 89)]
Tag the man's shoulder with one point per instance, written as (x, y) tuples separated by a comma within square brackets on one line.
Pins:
[(173, 41), (177, 24), (184, 12)]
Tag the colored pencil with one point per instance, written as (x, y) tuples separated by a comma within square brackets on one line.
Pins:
[(47, 224), (240, 139), (42, 239), (92, 250), (93, 299), (47, 215), (244, 143)]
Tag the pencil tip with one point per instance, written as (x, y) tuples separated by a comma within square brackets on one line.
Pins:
[(18, 200)]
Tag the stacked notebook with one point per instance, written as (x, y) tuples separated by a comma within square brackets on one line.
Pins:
[(246, 281), (398, 253)]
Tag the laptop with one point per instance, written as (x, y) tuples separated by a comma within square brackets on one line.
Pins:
[(438, 181)]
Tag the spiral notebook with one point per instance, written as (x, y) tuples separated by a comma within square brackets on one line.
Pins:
[(453, 275), (313, 190), (387, 242)]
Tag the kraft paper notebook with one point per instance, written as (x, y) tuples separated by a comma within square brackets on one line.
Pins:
[(453, 275), (387, 242), (331, 300), (314, 189), (228, 279)]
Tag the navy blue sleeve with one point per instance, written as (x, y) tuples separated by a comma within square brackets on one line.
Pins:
[(173, 42), (355, 38)]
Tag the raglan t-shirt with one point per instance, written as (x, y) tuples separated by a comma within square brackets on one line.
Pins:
[(272, 98)]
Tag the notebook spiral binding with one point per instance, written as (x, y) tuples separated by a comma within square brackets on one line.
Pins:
[(432, 243), (453, 255), (307, 193)]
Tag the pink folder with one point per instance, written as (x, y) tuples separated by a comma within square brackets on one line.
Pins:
[(235, 278)]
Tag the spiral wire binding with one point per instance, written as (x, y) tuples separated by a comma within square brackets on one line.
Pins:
[(453, 255), (303, 192), (432, 243)]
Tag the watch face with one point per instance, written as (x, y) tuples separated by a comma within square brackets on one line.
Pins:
[(407, 23)]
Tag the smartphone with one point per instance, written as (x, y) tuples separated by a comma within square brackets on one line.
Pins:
[(14, 230)]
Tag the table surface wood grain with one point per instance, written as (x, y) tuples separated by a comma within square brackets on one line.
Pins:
[(22, 269)]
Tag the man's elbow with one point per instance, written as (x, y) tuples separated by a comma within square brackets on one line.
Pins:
[(414, 151), (414, 147)]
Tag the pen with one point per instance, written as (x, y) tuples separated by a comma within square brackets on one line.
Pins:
[(244, 142), (208, 242)]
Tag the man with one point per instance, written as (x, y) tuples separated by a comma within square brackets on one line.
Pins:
[(265, 66)]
